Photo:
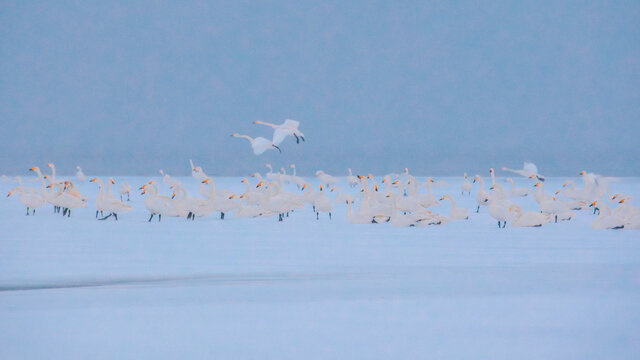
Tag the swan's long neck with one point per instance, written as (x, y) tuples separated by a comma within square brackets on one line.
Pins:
[(294, 170), (453, 203), (53, 173), (267, 124), (246, 137)]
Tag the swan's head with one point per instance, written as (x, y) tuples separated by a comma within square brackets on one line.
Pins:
[(557, 192), (93, 180), (465, 175), (321, 187), (593, 203), (583, 172), (532, 176), (553, 198), (232, 196), (50, 165), (442, 198), (142, 187), (9, 194), (244, 181), (508, 179), (111, 181), (304, 186), (475, 178), (234, 135), (621, 201), (242, 196), (143, 192), (431, 180), (492, 187), (172, 186), (34, 168), (46, 176), (259, 184), (376, 187), (406, 170), (491, 171), (205, 181), (173, 195), (537, 184), (49, 186), (565, 184), (395, 182), (333, 189), (503, 168)]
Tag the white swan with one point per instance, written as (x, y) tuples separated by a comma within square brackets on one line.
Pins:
[(29, 199), (299, 181), (326, 179), (259, 144), (529, 218), (528, 169), (456, 213), (125, 189), (79, 174), (605, 219), (466, 185), (517, 192), (167, 180), (66, 201), (351, 179), (340, 198), (157, 204), (481, 196), (322, 204), (498, 211), (287, 128), (110, 204)]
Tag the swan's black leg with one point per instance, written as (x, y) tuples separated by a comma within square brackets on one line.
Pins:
[(34, 211), (150, 217), (115, 216), (120, 197), (478, 209), (106, 217), (277, 148), (159, 217), (329, 216), (68, 212), (318, 216), (27, 211), (556, 218), (221, 215), (128, 198), (302, 137), (297, 139), (498, 224)]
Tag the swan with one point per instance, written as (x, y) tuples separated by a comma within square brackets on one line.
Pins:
[(481, 195), (278, 203), (456, 213), (49, 196), (196, 172), (351, 179), (296, 179), (529, 218), (79, 174), (556, 208), (191, 206), (493, 176), (29, 199), (271, 176), (124, 189), (466, 185), (66, 201), (26, 189), (322, 204), (573, 204), (539, 194), (340, 198), (250, 196), (426, 200), (222, 204), (605, 219), (110, 204), (156, 204), (259, 144), (517, 192), (498, 211), (167, 180), (528, 169), (326, 179), (358, 218), (287, 128)]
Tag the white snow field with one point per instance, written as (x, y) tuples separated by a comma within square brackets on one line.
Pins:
[(79, 288)]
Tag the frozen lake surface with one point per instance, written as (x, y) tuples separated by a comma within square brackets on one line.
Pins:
[(78, 288)]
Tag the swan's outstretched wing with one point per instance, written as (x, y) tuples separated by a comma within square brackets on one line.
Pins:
[(291, 123), (261, 145), (530, 167)]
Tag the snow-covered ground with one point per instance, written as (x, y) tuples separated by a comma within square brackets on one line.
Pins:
[(78, 288)]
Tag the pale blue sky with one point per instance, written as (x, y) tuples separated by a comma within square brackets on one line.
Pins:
[(128, 87)]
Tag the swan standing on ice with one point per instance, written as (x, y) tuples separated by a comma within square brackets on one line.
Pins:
[(481, 195), (466, 185), (529, 218), (29, 199), (322, 204), (517, 192), (528, 169), (259, 144), (498, 211), (287, 128), (124, 189), (351, 179), (79, 174), (456, 213), (107, 203)]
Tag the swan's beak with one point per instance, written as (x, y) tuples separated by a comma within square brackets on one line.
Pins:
[(142, 187), (255, 122), (241, 196), (171, 187), (582, 172), (48, 186), (442, 198), (395, 182), (333, 189), (205, 181), (243, 181), (9, 194), (531, 176), (475, 179), (173, 195), (32, 169), (232, 196), (593, 204), (143, 192), (621, 201), (259, 184), (233, 135), (92, 180), (304, 187), (492, 187), (557, 192), (614, 196), (113, 182)]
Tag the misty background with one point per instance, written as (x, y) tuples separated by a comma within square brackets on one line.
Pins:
[(441, 87)]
